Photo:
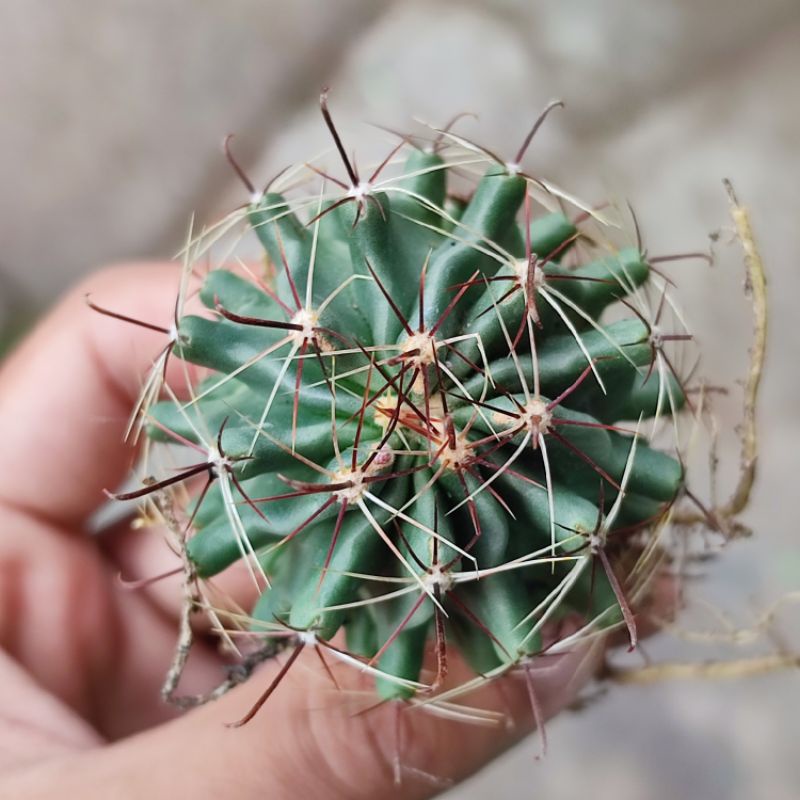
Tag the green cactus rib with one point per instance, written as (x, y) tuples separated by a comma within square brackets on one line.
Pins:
[(424, 429)]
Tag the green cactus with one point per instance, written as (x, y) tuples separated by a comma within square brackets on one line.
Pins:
[(419, 425)]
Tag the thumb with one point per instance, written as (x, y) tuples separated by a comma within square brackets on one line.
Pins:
[(310, 739)]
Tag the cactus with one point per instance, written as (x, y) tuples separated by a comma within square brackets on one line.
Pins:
[(424, 421)]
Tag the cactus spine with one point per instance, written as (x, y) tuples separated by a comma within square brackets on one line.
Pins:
[(418, 424)]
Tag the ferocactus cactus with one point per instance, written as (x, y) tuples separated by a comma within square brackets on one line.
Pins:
[(423, 420)]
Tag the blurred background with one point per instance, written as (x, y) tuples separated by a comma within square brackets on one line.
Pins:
[(113, 112)]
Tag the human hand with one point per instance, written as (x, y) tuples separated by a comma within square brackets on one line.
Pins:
[(82, 658)]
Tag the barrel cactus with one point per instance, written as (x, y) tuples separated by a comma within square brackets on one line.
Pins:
[(425, 419)]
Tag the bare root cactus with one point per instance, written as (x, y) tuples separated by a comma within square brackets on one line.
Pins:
[(427, 420)]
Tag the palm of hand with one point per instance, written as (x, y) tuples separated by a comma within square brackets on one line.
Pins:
[(83, 659)]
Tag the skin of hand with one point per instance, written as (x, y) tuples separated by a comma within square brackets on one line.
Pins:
[(82, 658)]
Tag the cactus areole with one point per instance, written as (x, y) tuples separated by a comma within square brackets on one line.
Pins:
[(426, 418)]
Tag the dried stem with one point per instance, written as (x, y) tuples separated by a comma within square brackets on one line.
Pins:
[(756, 288), (189, 603), (708, 670)]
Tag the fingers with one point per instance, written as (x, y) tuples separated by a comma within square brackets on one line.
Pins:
[(67, 392), (148, 567), (310, 741), (94, 650), (34, 724)]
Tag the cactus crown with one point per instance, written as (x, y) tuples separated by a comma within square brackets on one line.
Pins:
[(419, 424)]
